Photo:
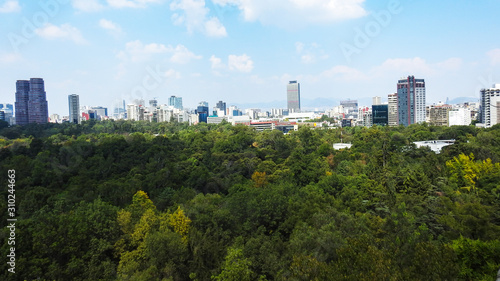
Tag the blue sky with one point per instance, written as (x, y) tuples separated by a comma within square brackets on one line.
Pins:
[(246, 51)]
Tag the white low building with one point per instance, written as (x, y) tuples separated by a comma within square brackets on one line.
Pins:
[(435, 145), (459, 117)]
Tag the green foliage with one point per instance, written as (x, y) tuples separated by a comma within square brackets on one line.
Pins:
[(123, 200), (235, 268), (478, 260)]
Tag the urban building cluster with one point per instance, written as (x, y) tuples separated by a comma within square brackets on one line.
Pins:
[(406, 106)]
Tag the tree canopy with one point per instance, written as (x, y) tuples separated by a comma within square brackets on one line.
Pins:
[(124, 200)]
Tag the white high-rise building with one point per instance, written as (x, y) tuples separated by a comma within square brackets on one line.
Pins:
[(293, 96), (392, 109), (489, 109), (134, 112), (276, 112), (411, 101)]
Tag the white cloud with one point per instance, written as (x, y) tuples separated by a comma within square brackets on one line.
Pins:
[(10, 6), (132, 3), (309, 53), (285, 13), (172, 74), (110, 26), (451, 64), (136, 51), (65, 31), (345, 73), (299, 47), (494, 56), (405, 66), (87, 5), (182, 55), (194, 15), (417, 66), (308, 59), (214, 28), (216, 62), (389, 69), (97, 5), (241, 63)]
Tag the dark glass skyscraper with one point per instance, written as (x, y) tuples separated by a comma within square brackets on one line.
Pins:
[(31, 102), (221, 106), (38, 111), (380, 114), (22, 98)]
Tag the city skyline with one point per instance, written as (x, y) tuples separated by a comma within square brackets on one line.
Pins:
[(244, 51)]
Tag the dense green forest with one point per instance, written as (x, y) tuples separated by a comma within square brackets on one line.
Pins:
[(122, 200)]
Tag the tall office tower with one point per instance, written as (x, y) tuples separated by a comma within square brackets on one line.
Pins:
[(411, 100), (376, 100), (74, 109), (489, 112), (293, 96), (176, 102), (221, 106), (22, 98), (38, 111), (202, 111), (380, 114), (153, 103), (393, 109), (350, 108), (2, 115)]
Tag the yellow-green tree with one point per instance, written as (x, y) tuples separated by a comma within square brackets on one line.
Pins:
[(136, 223), (259, 179), (179, 222), (466, 172), (236, 267)]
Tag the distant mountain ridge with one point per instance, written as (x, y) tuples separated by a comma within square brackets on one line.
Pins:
[(328, 103), (307, 104), (463, 100)]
